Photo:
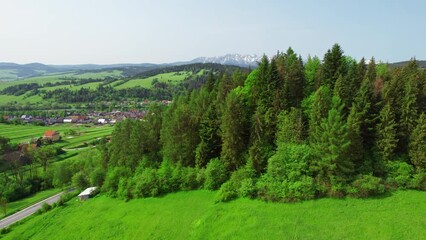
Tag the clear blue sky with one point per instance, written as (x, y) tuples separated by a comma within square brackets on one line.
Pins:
[(132, 31)]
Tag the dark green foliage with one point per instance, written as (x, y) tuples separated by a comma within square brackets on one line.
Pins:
[(333, 66), (334, 128), (417, 147), (366, 186), (234, 130), (80, 181), (211, 143), (290, 127), (387, 133), (215, 174)]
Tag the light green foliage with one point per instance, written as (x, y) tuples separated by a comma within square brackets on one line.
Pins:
[(312, 68), (399, 174), (194, 215), (330, 143), (288, 177), (241, 184), (215, 174)]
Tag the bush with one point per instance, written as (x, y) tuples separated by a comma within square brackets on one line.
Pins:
[(215, 174), (146, 183), (399, 174), (80, 181), (189, 179), (44, 208), (365, 186), (227, 192), (419, 181), (287, 177)]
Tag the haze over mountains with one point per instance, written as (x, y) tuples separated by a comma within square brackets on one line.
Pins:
[(13, 71)]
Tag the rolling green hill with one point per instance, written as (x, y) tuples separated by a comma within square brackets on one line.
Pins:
[(194, 215)]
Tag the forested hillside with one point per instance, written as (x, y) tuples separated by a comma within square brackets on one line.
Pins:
[(285, 132)]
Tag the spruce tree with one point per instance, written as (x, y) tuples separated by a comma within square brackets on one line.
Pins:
[(333, 66), (330, 144), (417, 147), (290, 127), (234, 128), (387, 133)]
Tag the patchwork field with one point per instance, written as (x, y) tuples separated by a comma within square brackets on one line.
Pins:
[(194, 215), (24, 133)]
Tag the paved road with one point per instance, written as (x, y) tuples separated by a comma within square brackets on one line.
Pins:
[(28, 211)]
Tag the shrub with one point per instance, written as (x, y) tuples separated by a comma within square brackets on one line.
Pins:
[(97, 177), (80, 181), (215, 174), (44, 208), (287, 177), (227, 192), (189, 179), (365, 186), (146, 184), (419, 181), (399, 174)]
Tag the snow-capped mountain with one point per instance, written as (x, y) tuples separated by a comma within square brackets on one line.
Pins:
[(231, 59)]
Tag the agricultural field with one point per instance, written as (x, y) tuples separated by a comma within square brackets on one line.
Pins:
[(195, 215), (83, 136), (173, 77)]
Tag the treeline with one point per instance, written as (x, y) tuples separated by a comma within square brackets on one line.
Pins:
[(25, 170), (287, 131)]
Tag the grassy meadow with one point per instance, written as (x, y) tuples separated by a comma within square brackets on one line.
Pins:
[(195, 215), (174, 78)]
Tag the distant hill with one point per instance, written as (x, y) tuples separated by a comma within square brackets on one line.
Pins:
[(421, 63)]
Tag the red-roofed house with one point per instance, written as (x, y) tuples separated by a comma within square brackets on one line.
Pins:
[(51, 135)]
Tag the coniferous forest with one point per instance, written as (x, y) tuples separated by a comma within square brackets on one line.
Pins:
[(289, 130)]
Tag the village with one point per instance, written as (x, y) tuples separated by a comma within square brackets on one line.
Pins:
[(95, 117)]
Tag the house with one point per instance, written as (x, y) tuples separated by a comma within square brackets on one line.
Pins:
[(51, 135), (102, 121), (86, 193)]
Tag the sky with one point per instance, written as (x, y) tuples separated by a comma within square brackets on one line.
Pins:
[(164, 31)]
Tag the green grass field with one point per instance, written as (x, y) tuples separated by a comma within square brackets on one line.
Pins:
[(174, 77), (24, 133), (23, 203), (194, 215)]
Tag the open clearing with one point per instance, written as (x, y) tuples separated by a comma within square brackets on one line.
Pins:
[(194, 215)]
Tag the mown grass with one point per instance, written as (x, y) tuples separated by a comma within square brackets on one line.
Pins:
[(194, 215), (15, 206)]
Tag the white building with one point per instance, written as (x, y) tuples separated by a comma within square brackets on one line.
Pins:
[(86, 193)]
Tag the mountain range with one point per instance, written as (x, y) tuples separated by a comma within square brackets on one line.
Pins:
[(13, 71)]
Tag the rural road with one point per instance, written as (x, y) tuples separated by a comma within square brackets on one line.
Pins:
[(28, 211)]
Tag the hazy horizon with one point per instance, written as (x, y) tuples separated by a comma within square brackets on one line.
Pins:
[(112, 32)]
